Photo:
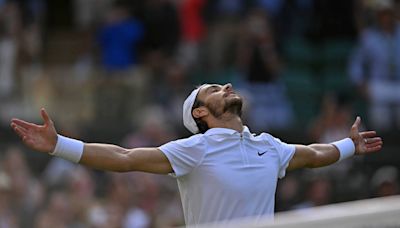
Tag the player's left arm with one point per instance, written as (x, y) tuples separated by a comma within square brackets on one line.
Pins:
[(319, 155)]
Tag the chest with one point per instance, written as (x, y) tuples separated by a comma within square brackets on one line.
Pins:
[(240, 164)]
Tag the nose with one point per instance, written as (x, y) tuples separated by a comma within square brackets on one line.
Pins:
[(228, 87)]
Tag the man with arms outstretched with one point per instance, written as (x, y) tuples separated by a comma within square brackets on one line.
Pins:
[(223, 171)]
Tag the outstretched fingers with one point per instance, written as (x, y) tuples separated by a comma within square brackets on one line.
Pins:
[(22, 132), (23, 124), (373, 144), (368, 134), (374, 148), (372, 140)]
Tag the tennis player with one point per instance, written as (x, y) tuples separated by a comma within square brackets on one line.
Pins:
[(223, 171)]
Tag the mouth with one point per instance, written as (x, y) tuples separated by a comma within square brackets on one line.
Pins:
[(229, 93)]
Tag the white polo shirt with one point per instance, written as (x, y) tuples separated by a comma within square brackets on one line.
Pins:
[(223, 174)]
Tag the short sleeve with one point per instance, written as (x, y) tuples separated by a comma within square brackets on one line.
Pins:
[(184, 154), (285, 152)]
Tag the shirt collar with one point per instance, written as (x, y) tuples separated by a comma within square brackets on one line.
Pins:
[(226, 131)]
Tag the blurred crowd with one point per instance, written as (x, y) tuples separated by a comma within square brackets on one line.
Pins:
[(117, 71)]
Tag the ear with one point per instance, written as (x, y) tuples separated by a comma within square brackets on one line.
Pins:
[(200, 112)]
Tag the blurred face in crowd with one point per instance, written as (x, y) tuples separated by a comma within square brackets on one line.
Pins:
[(116, 14), (220, 99), (259, 27), (386, 19)]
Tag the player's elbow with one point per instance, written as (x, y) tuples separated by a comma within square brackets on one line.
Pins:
[(125, 164)]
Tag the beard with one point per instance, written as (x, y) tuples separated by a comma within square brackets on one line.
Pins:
[(233, 106)]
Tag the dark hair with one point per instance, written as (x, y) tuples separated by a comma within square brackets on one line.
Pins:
[(202, 125)]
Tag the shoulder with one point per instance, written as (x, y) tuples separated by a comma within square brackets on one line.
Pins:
[(274, 142), (267, 138), (192, 141)]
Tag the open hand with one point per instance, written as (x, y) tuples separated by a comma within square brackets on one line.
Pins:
[(365, 142), (41, 138)]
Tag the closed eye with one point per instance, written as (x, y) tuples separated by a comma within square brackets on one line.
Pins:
[(213, 89)]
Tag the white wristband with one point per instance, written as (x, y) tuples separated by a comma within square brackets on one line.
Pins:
[(346, 148), (69, 149)]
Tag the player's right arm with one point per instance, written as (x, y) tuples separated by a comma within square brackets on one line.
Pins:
[(43, 138), (115, 158)]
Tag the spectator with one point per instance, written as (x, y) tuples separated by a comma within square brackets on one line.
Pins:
[(57, 212), (385, 181), (25, 194), (319, 193), (170, 92), (162, 26), (81, 187), (330, 124), (288, 193), (218, 50), (193, 30), (32, 22), (118, 39), (153, 129), (10, 26), (261, 66), (125, 193), (333, 118), (123, 84), (375, 67), (7, 217), (332, 19)]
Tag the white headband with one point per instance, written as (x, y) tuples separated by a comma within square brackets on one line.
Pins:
[(188, 119)]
